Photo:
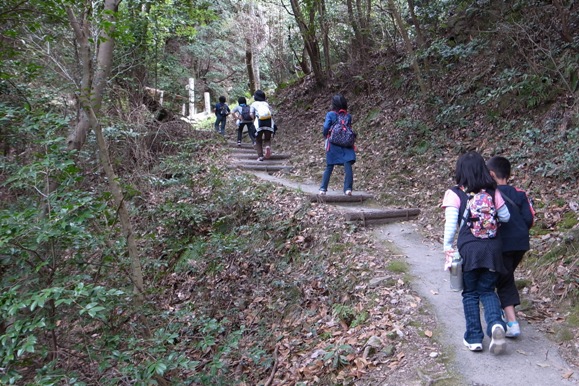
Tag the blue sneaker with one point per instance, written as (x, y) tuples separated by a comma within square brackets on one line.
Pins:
[(513, 329)]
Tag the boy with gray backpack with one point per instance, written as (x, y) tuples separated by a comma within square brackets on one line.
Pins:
[(245, 115)]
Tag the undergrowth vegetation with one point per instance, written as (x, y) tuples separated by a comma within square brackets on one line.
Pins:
[(234, 269)]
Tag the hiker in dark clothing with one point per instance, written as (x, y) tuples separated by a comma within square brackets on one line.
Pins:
[(221, 113)]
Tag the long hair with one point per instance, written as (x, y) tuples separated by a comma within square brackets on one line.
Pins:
[(472, 173), (339, 103)]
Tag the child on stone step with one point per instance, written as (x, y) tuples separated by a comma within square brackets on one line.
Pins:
[(482, 257), (263, 125)]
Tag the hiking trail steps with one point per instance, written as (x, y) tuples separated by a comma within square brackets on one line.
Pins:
[(244, 156)]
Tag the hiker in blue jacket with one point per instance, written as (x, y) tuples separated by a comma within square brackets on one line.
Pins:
[(335, 154)]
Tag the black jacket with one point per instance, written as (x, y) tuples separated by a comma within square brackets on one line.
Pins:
[(515, 233)]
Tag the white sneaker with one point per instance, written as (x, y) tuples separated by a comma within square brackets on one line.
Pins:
[(498, 342), (473, 346), (348, 192), (322, 192), (513, 329)]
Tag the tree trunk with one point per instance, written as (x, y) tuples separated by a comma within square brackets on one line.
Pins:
[(419, 35), (325, 28), (358, 38), (124, 216), (359, 14), (408, 44), (308, 33), (249, 66)]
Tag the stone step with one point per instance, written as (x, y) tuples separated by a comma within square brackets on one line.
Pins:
[(254, 161), (241, 150), (263, 166), (254, 156), (244, 145)]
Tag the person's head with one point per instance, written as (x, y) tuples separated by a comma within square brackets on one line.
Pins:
[(222, 99), (339, 103), (259, 96), (500, 167), (241, 101), (472, 173)]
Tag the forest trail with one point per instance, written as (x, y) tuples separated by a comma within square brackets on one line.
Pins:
[(530, 360)]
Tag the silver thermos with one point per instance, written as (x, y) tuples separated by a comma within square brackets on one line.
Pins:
[(456, 273)]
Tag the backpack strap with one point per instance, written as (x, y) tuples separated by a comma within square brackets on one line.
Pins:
[(508, 199), (463, 207)]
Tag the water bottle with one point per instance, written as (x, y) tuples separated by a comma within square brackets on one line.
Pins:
[(456, 273)]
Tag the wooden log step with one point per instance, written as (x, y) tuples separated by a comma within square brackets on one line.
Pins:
[(382, 214), (340, 198)]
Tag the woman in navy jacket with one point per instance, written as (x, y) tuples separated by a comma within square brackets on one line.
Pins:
[(335, 154)]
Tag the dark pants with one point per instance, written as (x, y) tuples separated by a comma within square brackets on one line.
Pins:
[(250, 131), (506, 287), (348, 176), (220, 123)]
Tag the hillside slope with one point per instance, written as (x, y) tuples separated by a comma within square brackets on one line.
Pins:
[(486, 94)]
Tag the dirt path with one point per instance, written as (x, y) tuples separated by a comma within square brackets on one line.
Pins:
[(530, 360)]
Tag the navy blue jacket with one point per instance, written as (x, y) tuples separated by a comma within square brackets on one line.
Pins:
[(515, 233), (337, 155)]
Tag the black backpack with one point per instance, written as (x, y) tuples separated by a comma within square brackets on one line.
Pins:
[(223, 109), (246, 113)]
